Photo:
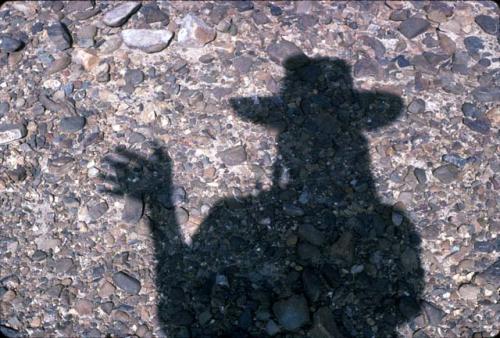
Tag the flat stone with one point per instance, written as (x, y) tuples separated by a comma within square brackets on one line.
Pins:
[(152, 13), (9, 45), (446, 173), (292, 313), (233, 156), (400, 15), (85, 36), (60, 36), (118, 15), (194, 32), (487, 23), (147, 40), (287, 54), (58, 64), (260, 18), (11, 132), (126, 282), (480, 125), (72, 124), (133, 209), (4, 108), (366, 67), (106, 290), (413, 27), (469, 291), (134, 77)]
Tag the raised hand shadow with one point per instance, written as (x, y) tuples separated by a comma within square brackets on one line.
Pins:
[(317, 255)]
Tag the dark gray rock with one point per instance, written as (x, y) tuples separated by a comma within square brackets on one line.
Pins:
[(133, 209), (366, 67), (489, 276), (433, 314), (487, 94), (471, 110), (480, 125), (134, 77), (287, 54), (63, 265), (455, 160), (96, 210), (85, 36), (312, 284), (233, 156), (292, 313), (126, 282), (324, 325), (420, 175), (243, 5), (10, 332), (473, 44), (4, 108), (413, 27), (446, 173), (60, 36), (260, 18), (242, 64), (275, 10), (118, 15), (400, 15), (417, 106), (487, 24), (309, 233), (72, 124), (153, 13), (9, 45)]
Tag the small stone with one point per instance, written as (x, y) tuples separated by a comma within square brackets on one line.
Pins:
[(181, 216), (243, 5), (455, 160), (324, 325), (63, 265), (275, 10), (366, 67), (194, 32), (397, 218), (260, 18), (106, 290), (473, 44), (417, 106), (287, 54), (233, 156), (85, 36), (470, 110), (133, 209), (242, 64), (111, 44), (83, 307), (446, 173), (490, 275), (487, 94), (59, 64), (400, 15), (292, 313), (96, 210), (469, 291), (309, 233), (147, 40), (293, 210), (118, 15), (60, 36), (480, 125), (134, 77), (152, 13), (420, 175), (9, 45), (272, 328), (72, 124), (413, 27), (4, 108), (487, 23), (126, 282), (11, 132)]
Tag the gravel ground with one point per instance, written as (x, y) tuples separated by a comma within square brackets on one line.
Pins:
[(249, 169)]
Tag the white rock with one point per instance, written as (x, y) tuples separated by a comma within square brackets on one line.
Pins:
[(194, 32), (120, 14), (11, 132), (147, 40)]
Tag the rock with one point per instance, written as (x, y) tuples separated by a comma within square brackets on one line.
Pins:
[(366, 67), (233, 156), (324, 325), (446, 173), (408, 307), (400, 15), (446, 44), (194, 32), (293, 210), (106, 290), (10, 332), (480, 125), (126, 282), (470, 110), (63, 265), (272, 328), (312, 284), (439, 11), (292, 313), (111, 44), (469, 291), (242, 64), (86, 59), (152, 13), (96, 210), (455, 160), (491, 275), (4, 108), (134, 77), (433, 314), (58, 64), (420, 175), (120, 14), (147, 40), (85, 36), (260, 18), (243, 5), (9, 45), (275, 10), (473, 44), (417, 106), (287, 54), (11, 132), (60, 36), (487, 94), (133, 209), (83, 307), (487, 24), (309, 233), (413, 27), (72, 124)]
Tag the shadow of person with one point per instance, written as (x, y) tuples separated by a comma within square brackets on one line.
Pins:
[(316, 255)]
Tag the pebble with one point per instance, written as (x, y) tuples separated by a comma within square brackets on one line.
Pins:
[(413, 27), (72, 124), (400, 15), (118, 15), (85, 36), (471, 110), (133, 209), (11, 132), (455, 160), (152, 13), (4, 108), (59, 35), (473, 44), (420, 175), (147, 40), (9, 45), (324, 325), (97, 209), (309, 233), (446, 173), (233, 156), (417, 106), (487, 24), (481, 125), (433, 314), (58, 64), (287, 54), (126, 282), (292, 313), (469, 291), (83, 307), (487, 94), (194, 32)]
